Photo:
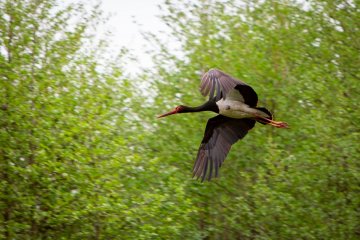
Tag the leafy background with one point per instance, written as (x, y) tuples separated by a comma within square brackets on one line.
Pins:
[(83, 156)]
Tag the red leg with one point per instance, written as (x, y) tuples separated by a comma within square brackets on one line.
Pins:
[(272, 122)]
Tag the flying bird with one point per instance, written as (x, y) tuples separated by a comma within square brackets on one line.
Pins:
[(236, 105)]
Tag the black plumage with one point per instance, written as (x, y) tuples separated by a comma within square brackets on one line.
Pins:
[(235, 102)]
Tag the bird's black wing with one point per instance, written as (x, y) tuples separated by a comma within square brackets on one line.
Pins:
[(221, 132), (218, 84)]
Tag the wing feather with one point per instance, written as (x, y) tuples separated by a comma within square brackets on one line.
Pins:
[(218, 84), (220, 133)]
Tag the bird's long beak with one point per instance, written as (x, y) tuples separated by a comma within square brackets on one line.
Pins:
[(167, 114)]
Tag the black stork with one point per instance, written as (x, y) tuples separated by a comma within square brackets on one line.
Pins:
[(235, 102)]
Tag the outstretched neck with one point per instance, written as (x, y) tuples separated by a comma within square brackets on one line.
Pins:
[(208, 106)]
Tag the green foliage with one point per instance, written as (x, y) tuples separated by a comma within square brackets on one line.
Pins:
[(83, 156), (303, 62), (57, 124)]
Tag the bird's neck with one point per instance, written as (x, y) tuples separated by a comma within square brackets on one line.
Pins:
[(208, 106)]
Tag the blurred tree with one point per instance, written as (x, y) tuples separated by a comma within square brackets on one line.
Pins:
[(70, 134), (59, 109), (302, 59), (83, 157)]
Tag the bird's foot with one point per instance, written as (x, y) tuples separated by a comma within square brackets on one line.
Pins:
[(278, 124), (272, 122)]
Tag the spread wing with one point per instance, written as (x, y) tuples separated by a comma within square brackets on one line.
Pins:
[(218, 84), (221, 132)]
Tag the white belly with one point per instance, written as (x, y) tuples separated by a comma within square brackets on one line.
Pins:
[(234, 109)]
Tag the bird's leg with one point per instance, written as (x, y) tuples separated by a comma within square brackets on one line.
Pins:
[(278, 124), (272, 122)]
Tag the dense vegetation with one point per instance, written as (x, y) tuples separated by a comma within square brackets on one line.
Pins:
[(82, 155)]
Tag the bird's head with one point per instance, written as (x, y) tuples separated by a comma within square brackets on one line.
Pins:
[(178, 109)]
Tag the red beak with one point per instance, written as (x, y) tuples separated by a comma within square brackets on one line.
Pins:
[(167, 114)]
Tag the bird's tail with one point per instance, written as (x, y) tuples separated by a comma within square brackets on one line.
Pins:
[(264, 110)]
